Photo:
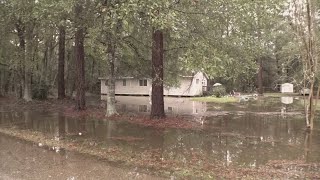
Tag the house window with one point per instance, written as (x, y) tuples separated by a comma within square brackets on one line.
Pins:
[(170, 109), (124, 82), (203, 82), (106, 83), (143, 82), (197, 81)]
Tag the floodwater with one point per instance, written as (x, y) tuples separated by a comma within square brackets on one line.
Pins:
[(23, 160), (243, 134)]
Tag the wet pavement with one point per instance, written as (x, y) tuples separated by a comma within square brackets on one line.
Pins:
[(243, 134)]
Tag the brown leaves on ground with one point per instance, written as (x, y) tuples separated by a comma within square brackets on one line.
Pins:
[(169, 122), (127, 138)]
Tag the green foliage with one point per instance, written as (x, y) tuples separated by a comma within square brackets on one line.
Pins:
[(221, 38), (218, 91), (40, 91), (215, 99)]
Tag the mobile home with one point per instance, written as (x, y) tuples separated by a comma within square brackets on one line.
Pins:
[(193, 85)]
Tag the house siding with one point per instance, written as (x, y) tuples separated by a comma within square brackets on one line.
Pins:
[(132, 87), (189, 86)]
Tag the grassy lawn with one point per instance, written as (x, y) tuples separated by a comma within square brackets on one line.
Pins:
[(234, 99), (279, 94), (301, 103), (215, 99)]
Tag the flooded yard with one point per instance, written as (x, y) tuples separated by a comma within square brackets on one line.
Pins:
[(263, 137), (23, 160)]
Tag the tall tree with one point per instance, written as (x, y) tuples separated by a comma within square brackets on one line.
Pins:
[(160, 18), (27, 93), (111, 100), (311, 62), (109, 37), (79, 55), (157, 108), (20, 28), (25, 27), (61, 62), (305, 24)]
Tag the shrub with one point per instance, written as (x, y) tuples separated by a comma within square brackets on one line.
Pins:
[(40, 91), (219, 91)]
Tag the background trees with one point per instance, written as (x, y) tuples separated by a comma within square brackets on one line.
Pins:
[(304, 22), (60, 46)]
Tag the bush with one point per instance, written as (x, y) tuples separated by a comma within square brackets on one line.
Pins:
[(219, 91), (40, 91)]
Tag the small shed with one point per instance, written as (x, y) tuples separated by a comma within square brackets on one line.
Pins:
[(287, 88)]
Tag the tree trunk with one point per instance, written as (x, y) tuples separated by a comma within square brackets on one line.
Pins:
[(27, 93), (2, 90), (27, 87), (260, 78), (311, 63), (22, 44), (61, 61), (111, 100), (92, 75), (79, 55), (70, 72), (157, 107), (279, 66)]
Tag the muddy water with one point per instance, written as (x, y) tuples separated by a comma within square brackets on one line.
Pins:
[(242, 134), (23, 160), (173, 106)]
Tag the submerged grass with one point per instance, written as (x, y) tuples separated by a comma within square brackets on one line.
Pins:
[(198, 167), (215, 99), (302, 104), (279, 94), (123, 157)]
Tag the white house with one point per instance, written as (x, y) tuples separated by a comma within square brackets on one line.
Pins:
[(188, 86)]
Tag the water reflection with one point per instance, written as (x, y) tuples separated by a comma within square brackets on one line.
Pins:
[(60, 128), (249, 139), (22, 160), (174, 106), (286, 100)]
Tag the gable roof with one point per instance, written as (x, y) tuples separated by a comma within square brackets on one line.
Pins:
[(105, 78), (131, 77)]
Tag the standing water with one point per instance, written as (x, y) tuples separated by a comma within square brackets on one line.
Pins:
[(254, 134)]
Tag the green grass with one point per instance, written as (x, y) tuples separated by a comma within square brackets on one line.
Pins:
[(301, 103), (279, 94), (215, 99)]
